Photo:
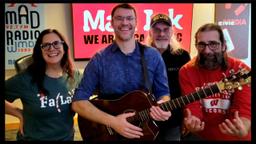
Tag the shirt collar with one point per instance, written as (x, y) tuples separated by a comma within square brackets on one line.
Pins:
[(115, 47)]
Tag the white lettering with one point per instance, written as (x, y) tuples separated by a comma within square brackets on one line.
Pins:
[(62, 101), (69, 99), (108, 24), (51, 102), (99, 20), (148, 13), (43, 102), (175, 20)]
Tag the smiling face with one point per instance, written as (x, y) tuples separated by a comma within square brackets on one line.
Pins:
[(124, 23), (211, 50), (161, 35), (55, 52)]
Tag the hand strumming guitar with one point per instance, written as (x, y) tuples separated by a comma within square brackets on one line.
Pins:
[(124, 128)]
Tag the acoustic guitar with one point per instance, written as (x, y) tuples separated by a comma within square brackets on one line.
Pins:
[(140, 102)]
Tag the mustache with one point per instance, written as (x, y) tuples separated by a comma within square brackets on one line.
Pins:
[(211, 60)]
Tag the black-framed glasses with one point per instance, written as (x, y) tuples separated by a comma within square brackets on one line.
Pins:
[(122, 18), (212, 45), (55, 44)]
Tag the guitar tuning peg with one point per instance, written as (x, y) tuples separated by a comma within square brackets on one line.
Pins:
[(234, 76), (242, 71), (238, 85), (240, 67), (225, 77), (232, 71)]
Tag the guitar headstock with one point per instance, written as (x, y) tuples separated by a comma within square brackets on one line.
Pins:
[(235, 80)]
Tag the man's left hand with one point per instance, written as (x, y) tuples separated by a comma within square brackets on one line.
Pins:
[(236, 127)]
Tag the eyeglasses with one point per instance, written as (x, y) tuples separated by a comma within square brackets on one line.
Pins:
[(55, 44), (213, 45), (158, 31), (122, 18)]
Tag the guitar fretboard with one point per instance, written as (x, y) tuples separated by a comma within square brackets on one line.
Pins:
[(178, 102)]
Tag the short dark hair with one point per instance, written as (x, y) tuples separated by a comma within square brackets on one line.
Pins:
[(211, 27), (125, 6)]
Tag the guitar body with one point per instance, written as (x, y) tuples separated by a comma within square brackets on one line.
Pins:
[(134, 101)]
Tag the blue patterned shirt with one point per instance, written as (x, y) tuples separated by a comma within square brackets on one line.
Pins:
[(114, 73)]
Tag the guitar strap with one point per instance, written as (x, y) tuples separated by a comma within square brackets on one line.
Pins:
[(144, 68)]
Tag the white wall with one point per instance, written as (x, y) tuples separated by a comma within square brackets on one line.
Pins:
[(59, 16), (202, 13)]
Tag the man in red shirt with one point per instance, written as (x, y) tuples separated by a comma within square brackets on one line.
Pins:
[(221, 116)]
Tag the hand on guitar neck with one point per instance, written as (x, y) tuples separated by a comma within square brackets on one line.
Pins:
[(157, 113)]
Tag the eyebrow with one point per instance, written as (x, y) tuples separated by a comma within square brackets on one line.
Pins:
[(211, 41)]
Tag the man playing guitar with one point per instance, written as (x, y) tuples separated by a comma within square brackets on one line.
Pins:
[(117, 70)]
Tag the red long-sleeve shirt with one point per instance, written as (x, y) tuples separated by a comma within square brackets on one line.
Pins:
[(214, 109)]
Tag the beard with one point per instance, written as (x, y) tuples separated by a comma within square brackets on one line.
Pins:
[(161, 44), (211, 61)]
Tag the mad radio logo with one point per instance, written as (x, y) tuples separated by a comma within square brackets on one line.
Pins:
[(22, 28)]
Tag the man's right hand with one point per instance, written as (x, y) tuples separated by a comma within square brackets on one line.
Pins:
[(124, 128), (193, 123)]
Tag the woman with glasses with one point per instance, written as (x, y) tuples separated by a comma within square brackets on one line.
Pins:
[(45, 89)]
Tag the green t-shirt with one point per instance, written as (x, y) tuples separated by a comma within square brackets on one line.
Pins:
[(45, 117)]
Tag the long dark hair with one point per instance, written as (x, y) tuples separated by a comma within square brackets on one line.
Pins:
[(38, 67), (214, 27)]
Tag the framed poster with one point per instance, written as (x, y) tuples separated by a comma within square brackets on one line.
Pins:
[(23, 24), (234, 18)]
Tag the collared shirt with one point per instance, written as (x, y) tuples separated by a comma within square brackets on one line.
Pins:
[(114, 73)]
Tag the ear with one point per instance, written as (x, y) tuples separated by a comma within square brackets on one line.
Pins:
[(111, 22), (224, 47), (150, 32)]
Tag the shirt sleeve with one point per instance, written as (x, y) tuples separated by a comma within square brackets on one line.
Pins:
[(160, 81), (187, 87), (89, 80)]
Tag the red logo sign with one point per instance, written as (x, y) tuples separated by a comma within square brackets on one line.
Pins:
[(92, 25)]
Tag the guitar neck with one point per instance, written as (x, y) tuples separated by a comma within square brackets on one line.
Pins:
[(179, 102), (184, 100)]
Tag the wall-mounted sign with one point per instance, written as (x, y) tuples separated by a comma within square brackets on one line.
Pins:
[(23, 24), (235, 21), (92, 29)]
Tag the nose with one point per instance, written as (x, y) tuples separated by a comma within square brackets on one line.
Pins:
[(161, 33), (207, 49), (51, 47), (125, 21)]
